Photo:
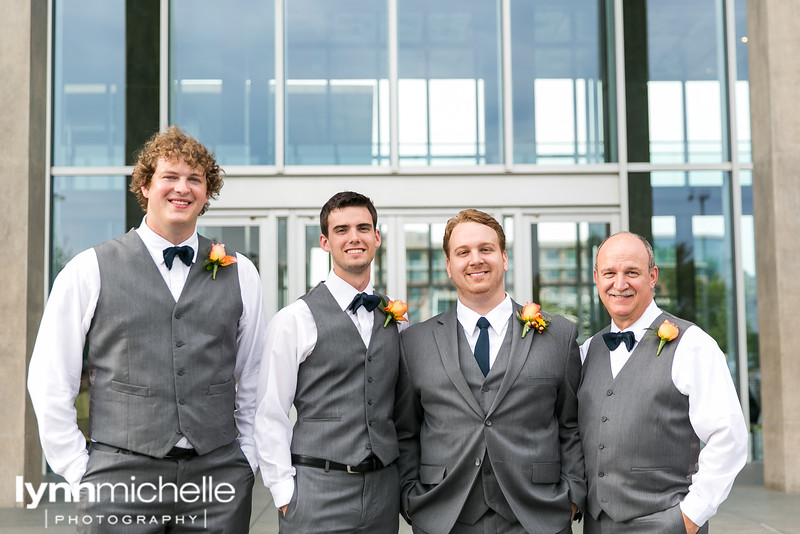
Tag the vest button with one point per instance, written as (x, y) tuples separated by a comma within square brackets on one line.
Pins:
[(604, 419), (181, 372), (181, 401), (484, 389), (369, 358), (487, 472), (488, 423), (178, 315), (370, 402), (369, 422), (369, 447), (180, 343), (178, 431), (370, 379), (610, 392), (601, 446), (601, 474)]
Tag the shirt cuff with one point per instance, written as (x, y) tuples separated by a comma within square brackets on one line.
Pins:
[(74, 471), (696, 510), (282, 492)]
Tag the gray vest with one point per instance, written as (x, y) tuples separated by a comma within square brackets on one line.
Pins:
[(485, 493), (345, 391), (639, 446), (160, 369)]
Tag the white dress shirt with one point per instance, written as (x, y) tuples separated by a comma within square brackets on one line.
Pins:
[(55, 370), (291, 337), (699, 371), (498, 324)]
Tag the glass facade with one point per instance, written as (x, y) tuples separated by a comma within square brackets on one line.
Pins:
[(483, 98)]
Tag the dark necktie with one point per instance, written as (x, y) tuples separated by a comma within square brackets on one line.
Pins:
[(185, 253), (613, 339), (482, 346), (370, 302)]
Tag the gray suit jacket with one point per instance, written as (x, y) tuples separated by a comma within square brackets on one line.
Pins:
[(530, 432)]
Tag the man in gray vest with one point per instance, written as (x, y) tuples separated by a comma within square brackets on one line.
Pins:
[(173, 328), (653, 387), (334, 354), (487, 412)]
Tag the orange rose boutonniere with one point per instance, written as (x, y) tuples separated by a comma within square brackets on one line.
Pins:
[(217, 258), (395, 310), (666, 332), (531, 317)]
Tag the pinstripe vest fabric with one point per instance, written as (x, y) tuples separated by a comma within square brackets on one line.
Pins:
[(345, 391), (639, 446), (159, 369)]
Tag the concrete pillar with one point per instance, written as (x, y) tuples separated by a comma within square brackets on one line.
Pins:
[(774, 80), (23, 85)]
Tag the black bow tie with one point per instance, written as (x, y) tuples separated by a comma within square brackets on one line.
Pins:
[(613, 339), (370, 302), (185, 253)]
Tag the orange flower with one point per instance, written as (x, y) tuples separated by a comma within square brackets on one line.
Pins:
[(531, 317), (217, 258), (395, 310), (666, 332), (530, 311)]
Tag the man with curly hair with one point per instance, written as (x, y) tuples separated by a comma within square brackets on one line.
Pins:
[(172, 355)]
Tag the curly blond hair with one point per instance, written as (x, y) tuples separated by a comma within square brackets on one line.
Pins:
[(173, 145)]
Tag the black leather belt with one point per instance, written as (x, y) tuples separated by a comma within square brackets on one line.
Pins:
[(175, 453), (370, 464)]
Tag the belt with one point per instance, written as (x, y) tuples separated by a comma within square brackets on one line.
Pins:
[(175, 453), (370, 464)]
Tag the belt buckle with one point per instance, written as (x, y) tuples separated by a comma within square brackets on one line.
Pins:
[(350, 470)]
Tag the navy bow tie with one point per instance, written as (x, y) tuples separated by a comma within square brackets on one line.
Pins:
[(613, 339), (370, 302), (185, 253)]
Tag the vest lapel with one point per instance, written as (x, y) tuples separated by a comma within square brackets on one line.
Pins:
[(446, 337), (520, 350)]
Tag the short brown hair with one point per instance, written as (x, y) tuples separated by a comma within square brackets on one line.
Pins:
[(346, 199), (472, 215), (173, 145)]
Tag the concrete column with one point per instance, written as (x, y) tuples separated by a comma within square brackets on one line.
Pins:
[(23, 84), (775, 117)]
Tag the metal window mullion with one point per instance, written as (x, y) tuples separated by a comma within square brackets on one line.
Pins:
[(736, 212), (163, 74), (394, 126), (622, 126), (507, 80), (280, 88)]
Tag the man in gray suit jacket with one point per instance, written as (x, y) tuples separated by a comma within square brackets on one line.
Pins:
[(486, 412), (172, 354), (334, 355), (653, 387)]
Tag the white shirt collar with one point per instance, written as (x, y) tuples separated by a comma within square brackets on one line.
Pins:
[(156, 244), (342, 291), (640, 326), (497, 317)]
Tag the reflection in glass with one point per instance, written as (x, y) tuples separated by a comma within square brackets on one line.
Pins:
[(87, 210), (742, 83), (690, 226), (562, 265), (556, 53), (449, 87), (241, 239), (337, 99), (428, 286), (89, 83), (221, 88), (682, 80)]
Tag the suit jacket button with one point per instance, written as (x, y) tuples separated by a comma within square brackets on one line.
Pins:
[(488, 423), (610, 392), (604, 419)]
